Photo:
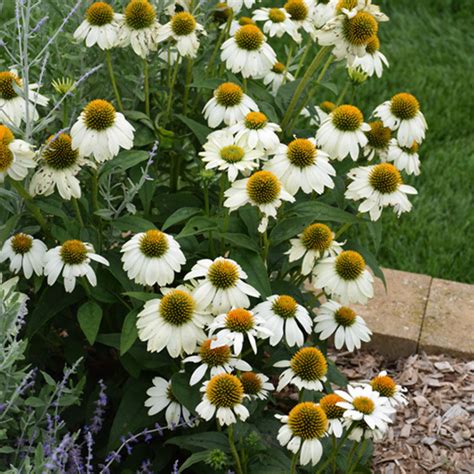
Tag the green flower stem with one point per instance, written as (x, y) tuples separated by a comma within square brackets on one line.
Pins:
[(266, 247), (302, 86), (108, 59), (189, 75), (233, 449), (290, 56), (146, 80), (333, 455), (32, 207), (294, 463), (244, 83), (334, 446), (313, 91), (303, 57), (343, 93), (359, 456), (226, 35), (171, 90), (345, 227), (220, 39), (75, 205), (95, 189)]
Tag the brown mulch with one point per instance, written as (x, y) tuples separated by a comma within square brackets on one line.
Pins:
[(434, 433)]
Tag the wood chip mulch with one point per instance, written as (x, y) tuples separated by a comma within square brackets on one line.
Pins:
[(434, 433)]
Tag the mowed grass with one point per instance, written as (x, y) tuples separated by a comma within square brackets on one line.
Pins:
[(430, 45)]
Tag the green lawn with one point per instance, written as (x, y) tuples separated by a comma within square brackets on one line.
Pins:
[(430, 47)]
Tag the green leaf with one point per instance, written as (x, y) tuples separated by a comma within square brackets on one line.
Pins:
[(140, 295), (187, 395), (287, 228), (253, 265), (211, 83), (180, 215), (240, 240), (201, 131), (52, 302), (7, 228), (129, 332), (89, 317), (197, 225), (35, 402), (320, 211), (206, 440), (123, 161), (335, 375), (133, 223), (131, 414), (194, 459)]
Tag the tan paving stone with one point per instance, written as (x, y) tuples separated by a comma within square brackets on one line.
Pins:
[(448, 326), (395, 316)]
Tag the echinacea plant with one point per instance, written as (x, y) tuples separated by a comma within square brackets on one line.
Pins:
[(190, 215)]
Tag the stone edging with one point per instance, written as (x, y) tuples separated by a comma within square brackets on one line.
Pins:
[(420, 313)]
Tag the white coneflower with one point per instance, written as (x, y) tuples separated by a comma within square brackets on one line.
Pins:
[(303, 428), (373, 60), (182, 29), (402, 113), (345, 277), (342, 132), (282, 316), (363, 404), (379, 186), (277, 76), (139, 28), (72, 259), (389, 389), (223, 397), (323, 12), (152, 257), (333, 412), (301, 14), (101, 131), (100, 26), (58, 166), (306, 369), (215, 360), (299, 165), (237, 5), (24, 253), (349, 328), (378, 140), (256, 386), (13, 107), (277, 23), (175, 322), (315, 242), (220, 284), (16, 156), (229, 105), (227, 152), (160, 396), (350, 32), (257, 131), (236, 325), (236, 24), (263, 190), (248, 52), (404, 158)]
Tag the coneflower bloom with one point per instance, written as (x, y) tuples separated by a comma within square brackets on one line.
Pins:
[(24, 253), (100, 26), (379, 186), (101, 131), (16, 156), (13, 107), (72, 259), (58, 167), (248, 52)]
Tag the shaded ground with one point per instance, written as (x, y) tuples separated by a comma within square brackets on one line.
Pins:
[(433, 434)]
